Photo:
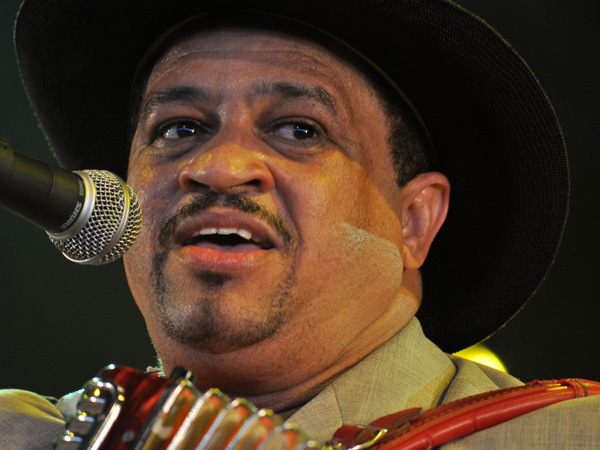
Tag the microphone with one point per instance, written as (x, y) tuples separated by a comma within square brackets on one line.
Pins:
[(91, 216)]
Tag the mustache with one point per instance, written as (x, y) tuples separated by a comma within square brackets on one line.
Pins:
[(207, 200)]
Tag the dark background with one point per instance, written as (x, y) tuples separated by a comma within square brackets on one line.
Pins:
[(60, 323)]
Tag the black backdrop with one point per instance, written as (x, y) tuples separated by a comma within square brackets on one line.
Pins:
[(61, 322)]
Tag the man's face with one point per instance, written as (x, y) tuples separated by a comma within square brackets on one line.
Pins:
[(263, 168)]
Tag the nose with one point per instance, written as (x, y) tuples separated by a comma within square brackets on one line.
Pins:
[(227, 168)]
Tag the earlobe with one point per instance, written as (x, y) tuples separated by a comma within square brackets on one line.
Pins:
[(425, 202)]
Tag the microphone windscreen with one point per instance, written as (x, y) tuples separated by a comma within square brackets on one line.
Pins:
[(109, 224)]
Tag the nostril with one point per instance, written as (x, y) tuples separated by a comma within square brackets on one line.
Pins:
[(253, 183), (193, 185)]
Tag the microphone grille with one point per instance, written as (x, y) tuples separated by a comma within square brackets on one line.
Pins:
[(113, 224)]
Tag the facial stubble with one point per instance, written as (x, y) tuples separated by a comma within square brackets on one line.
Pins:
[(204, 323)]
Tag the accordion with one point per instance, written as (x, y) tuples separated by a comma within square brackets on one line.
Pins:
[(123, 409)]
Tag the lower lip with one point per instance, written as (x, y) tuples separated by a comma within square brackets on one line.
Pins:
[(234, 259)]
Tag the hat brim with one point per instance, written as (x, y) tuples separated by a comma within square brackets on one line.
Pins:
[(495, 132)]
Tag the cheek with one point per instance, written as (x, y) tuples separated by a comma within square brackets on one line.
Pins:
[(350, 239), (373, 265), (136, 277), (363, 246), (332, 198), (158, 190), (151, 182), (155, 193)]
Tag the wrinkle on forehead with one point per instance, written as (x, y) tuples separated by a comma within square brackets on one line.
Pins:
[(258, 47)]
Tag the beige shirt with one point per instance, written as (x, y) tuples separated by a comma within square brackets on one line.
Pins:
[(410, 371), (406, 372)]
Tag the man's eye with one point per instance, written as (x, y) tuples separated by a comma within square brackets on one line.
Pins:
[(178, 130), (296, 131)]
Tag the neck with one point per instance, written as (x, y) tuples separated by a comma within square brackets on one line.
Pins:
[(283, 380)]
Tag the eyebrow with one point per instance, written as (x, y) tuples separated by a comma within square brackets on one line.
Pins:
[(178, 94), (285, 91), (192, 94)]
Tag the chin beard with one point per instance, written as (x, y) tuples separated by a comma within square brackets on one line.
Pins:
[(204, 323)]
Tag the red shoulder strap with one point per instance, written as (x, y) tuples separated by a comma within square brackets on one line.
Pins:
[(415, 429)]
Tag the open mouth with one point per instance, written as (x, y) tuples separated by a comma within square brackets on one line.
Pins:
[(227, 239)]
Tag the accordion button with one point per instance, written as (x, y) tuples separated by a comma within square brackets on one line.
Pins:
[(69, 442), (81, 424), (92, 405)]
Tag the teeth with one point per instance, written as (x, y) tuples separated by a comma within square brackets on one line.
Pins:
[(244, 233), (225, 231)]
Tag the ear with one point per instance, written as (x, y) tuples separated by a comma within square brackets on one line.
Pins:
[(424, 204)]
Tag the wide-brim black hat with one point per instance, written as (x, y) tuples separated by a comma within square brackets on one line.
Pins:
[(495, 133)]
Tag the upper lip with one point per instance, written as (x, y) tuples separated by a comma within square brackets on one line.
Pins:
[(225, 221)]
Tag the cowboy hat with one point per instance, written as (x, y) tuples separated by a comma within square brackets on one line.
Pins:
[(495, 133)]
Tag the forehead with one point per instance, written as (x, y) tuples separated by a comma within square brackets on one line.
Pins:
[(240, 40), (228, 52)]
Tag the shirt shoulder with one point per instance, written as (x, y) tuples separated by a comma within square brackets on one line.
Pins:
[(28, 421), (569, 425), (472, 378)]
